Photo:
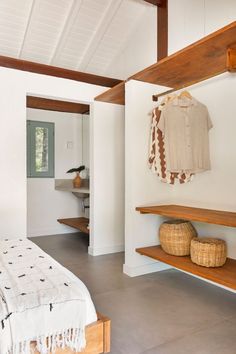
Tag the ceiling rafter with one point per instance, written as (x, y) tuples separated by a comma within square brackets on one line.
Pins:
[(26, 28), (99, 33), (25, 65), (66, 28)]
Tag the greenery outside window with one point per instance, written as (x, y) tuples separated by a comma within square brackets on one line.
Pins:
[(40, 149)]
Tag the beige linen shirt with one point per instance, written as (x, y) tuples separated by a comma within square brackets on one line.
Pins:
[(185, 124)]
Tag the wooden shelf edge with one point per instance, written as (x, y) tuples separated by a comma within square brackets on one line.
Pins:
[(210, 216), (169, 58), (115, 95), (195, 63), (208, 57), (224, 276), (79, 223)]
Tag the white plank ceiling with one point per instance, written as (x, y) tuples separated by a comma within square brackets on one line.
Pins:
[(84, 35)]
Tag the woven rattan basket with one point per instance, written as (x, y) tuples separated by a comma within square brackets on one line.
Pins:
[(208, 252), (175, 237)]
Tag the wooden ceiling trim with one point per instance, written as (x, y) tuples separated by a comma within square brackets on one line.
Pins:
[(114, 95), (44, 69), (56, 105)]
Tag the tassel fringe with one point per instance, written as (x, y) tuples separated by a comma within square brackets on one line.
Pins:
[(73, 339)]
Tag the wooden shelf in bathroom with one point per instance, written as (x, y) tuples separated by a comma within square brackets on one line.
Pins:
[(224, 275), (77, 223)]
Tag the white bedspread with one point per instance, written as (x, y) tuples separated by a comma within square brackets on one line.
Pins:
[(40, 299)]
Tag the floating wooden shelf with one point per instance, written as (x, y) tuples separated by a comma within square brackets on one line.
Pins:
[(223, 275), (197, 62), (201, 60), (209, 216), (114, 95), (77, 223)]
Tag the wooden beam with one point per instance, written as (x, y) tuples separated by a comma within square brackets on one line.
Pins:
[(231, 60), (56, 105), (162, 27), (38, 68), (155, 2), (162, 30)]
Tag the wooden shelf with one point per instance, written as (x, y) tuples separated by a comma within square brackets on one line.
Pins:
[(77, 223), (222, 275), (114, 95), (210, 216), (197, 62), (200, 61)]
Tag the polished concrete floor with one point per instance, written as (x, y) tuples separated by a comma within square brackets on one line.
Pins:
[(162, 313)]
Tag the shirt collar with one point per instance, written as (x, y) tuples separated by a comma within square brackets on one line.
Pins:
[(186, 102)]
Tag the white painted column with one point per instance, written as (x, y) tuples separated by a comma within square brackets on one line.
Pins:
[(107, 178)]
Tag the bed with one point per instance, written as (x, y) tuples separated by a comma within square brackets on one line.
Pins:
[(45, 308)]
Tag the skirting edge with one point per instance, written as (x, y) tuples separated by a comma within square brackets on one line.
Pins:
[(99, 251), (145, 269)]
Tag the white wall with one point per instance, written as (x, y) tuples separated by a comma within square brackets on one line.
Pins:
[(192, 20), (214, 189), (45, 204), (142, 187), (107, 178), (17, 84), (189, 20), (141, 49), (85, 135)]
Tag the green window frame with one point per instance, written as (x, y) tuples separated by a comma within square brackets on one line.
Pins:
[(40, 149)]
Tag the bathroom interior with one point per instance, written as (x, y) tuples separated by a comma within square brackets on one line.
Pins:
[(57, 141)]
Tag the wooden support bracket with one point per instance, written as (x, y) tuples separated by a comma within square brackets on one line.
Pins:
[(231, 60)]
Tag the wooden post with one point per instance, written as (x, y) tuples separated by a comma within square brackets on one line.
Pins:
[(162, 30)]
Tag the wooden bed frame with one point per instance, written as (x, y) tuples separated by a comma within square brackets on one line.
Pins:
[(97, 338)]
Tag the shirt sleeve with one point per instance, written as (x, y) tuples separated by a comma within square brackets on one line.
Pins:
[(161, 123)]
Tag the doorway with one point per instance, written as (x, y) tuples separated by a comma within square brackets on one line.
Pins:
[(58, 137)]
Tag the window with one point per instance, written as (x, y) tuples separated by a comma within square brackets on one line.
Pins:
[(40, 149)]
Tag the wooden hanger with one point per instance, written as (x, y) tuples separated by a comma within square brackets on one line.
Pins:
[(185, 94)]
